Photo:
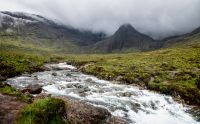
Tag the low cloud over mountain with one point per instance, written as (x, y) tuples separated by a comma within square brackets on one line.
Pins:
[(157, 18)]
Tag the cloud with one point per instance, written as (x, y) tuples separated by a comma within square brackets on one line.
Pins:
[(157, 18)]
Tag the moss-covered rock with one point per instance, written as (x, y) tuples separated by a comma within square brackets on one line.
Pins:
[(43, 111)]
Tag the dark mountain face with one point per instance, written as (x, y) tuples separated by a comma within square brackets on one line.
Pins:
[(35, 26), (126, 37)]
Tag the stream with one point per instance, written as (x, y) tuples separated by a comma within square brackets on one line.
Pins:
[(134, 105)]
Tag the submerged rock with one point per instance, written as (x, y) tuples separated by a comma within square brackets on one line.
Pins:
[(89, 80), (54, 74), (33, 89)]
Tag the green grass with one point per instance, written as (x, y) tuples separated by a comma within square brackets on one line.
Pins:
[(8, 90), (174, 71), (35, 45), (13, 63), (44, 111)]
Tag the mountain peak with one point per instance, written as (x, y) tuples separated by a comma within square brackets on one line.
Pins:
[(126, 27)]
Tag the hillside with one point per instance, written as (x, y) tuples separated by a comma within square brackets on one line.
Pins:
[(189, 39), (34, 31)]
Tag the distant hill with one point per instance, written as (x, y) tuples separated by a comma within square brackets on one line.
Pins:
[(189, 39)]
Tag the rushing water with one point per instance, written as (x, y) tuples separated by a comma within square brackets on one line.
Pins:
[(131, 103)]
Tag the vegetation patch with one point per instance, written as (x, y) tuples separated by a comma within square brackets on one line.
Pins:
[(12, 64), (8, 90), (44, 111)]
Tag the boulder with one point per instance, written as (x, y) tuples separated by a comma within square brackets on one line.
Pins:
[(33, 89), (80, 112)]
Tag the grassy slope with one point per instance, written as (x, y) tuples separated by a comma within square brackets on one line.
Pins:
[(174, 71)]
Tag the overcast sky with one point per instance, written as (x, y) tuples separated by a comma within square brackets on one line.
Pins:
[(160, 18)]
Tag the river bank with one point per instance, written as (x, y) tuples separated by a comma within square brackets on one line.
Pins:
[(174, 71), (124, 101)]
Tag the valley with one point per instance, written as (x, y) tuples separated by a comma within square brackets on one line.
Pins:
[(127, 59)]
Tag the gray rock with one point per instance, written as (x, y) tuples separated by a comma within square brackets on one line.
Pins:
[(89, 80), (32, 89), (80, 112)]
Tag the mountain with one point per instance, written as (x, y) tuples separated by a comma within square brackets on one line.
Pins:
[(30, 32), (37, 30), (127, 38)]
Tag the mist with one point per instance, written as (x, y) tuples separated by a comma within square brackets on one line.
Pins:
[(157, 18)]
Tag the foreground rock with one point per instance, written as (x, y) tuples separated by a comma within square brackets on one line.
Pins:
[(33, 89), (9, 108), (79, 112)]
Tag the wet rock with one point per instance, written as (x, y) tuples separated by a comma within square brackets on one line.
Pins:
[(153, 105), (26, 75), (32, 89), (78, 86), (119, 78), (79, 112), (127, 94), (61, 87), (69, 86), (68, 74), (89, 80), (86, 89), (135, 107), (54, 74), (74, 70)]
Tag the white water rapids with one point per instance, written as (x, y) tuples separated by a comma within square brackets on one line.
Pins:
[(131, 103)]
